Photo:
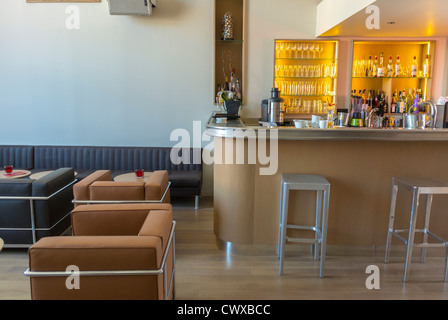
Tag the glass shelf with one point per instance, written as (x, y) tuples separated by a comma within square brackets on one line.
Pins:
[(308, 95), (416, 78), (307, 59), (310, 78), (230, 41)]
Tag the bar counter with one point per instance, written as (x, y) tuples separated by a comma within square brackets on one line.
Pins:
[(358, 162)]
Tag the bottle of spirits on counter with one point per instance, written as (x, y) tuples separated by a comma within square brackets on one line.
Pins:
[(414, 68), (415, 108), (239, 94), (380, 70), (409, 101), (426, 67), (390, 68), (400, 104), (375, 67), (393, 104), (369, 69), (398, 67)]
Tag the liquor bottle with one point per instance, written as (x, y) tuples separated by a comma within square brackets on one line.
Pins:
[(415, 105), (393, 104), (409, 101), (385, 105), (400, 104), (426, 67), (232, 83), (414, 68), (398, 67), (380, 71), (375, 67), (239, 94), (369, 69), (390, 68)]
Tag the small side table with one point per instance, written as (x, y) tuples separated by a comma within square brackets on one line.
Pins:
[(16, 174), (130, 177)]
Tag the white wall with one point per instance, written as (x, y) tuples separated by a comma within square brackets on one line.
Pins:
[(119, 80), (266, 21)]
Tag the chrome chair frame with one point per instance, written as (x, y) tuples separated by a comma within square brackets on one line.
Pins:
[(167, 286), (33, 228)]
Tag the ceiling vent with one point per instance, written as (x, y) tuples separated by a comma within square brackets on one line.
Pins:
[(131, 7)]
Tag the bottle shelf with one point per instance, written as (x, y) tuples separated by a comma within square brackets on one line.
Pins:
[(407, 53)]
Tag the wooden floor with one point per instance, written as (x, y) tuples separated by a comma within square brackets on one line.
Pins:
[(206, 271)]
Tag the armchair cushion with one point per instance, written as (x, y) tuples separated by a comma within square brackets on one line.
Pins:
[(111, 219), (81, 189), (114, 190)]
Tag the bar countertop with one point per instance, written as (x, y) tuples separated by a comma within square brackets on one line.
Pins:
[(226, 128)]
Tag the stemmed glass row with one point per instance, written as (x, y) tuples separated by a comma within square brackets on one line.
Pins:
[(299, 71), (305, 88), (298, 50), (307, 106)]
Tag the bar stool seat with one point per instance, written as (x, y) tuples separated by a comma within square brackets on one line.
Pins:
[(417, 186), (304, 182)]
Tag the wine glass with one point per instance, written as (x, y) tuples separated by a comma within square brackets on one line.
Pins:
[(277, 49), (281, 52), (312, 51), (320, 50), (288, 50), (305, 48), (296, 49), (300, 48)]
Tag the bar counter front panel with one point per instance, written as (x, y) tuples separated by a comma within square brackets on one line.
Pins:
[(359, 164)]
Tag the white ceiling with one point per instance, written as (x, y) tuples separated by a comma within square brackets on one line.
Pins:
[(413, 18)]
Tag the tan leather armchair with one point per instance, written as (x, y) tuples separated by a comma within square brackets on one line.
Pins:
[(99, 188), (122, 251)]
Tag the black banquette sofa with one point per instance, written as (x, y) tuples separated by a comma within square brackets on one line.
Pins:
[(31, 209)]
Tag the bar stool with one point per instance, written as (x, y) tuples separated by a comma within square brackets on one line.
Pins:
[(417, 187), (304, 182)]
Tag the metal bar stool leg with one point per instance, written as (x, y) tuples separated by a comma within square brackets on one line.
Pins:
[(323, 242), (446, 264), (280, 220), (412, 223), (318, 223), (393, 203), (426, 228), (284, 214)]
